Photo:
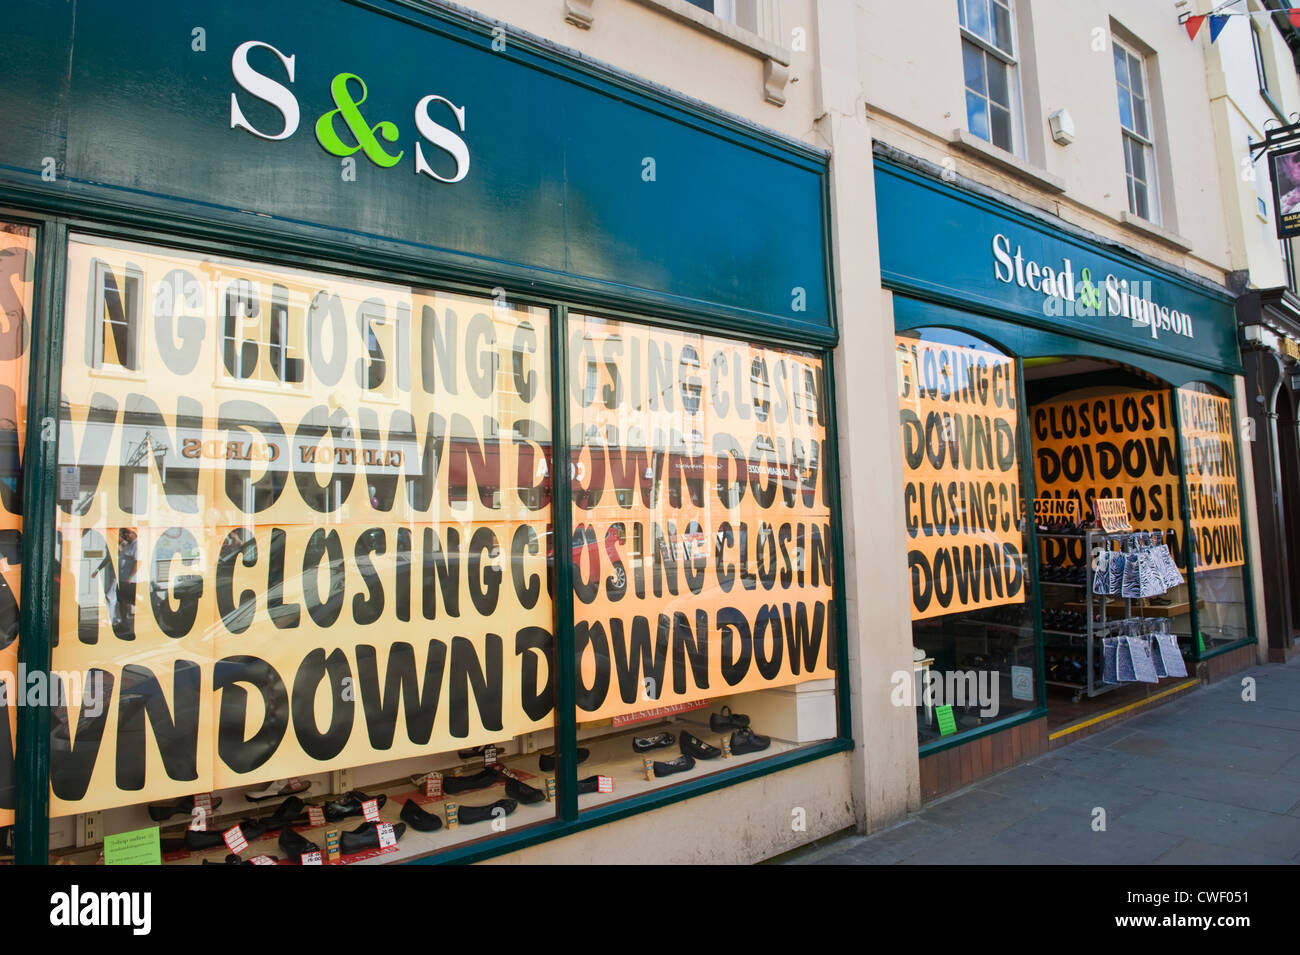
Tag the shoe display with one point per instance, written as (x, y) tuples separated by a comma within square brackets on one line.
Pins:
[(181, 807), (727, 720), (695, 747), (472, 814), (418, 819), (546, 761), (524, 793), (747, 741), (454, 785), (197, 841), (278, 789), (644, 744), (350, 805), (294, 845), (678, 765), (366, 836)]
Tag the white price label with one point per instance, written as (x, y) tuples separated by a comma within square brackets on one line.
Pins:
[(370, 810), (262, 860), (311, 858), (235, 840), (433, 785), (604, 784), (386, 836), (315, 816)]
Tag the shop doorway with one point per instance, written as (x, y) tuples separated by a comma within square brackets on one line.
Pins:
[(1288, 453), (1115, 606)]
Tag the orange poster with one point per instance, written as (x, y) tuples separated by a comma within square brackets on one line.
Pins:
[(1210, 461)]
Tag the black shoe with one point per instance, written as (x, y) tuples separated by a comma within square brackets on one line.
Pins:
[(644, 744), (588, 785), (546, 761), (350, 805), (693, 746), (418, 819), (524, 793), (181, 807), (294, 845), (454, 785), (231, 859), (678, 765), (366, 836), (253, 828), (286, 813), (197, 841), (472, 814), (727, 720), (747, 741)]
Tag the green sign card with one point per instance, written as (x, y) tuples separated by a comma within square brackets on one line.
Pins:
[(947, 724), (141, 847)]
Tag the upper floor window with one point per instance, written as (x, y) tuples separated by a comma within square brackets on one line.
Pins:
[(988, 57), (723, 9), (1135, 120)]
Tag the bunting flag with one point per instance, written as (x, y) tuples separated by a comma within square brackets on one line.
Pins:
[(1193, 25), (1217, 22), (1294, 15)]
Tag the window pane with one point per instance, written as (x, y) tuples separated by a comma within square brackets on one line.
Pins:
[(702, 572), (255, 566), (972, 59), (998, 85), (1140, 117), (1139, 160), (1135, 76), (1125, 109), (977, 115), (1001, 127), (1140, 199), (1002, 28), (1121, 64), (961, 12), (977, 19), (1128, 156)]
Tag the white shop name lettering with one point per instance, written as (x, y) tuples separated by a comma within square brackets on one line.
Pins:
[(1066, 293)]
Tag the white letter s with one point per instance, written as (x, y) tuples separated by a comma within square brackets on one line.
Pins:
[(441, 137), (264, 88)]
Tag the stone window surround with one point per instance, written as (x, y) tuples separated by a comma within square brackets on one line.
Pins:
[(775, 57)]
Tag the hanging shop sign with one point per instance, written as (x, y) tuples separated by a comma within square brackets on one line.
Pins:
[(1210, 462), (978, 253), (493, 157), (958, 416), (1284, 167)]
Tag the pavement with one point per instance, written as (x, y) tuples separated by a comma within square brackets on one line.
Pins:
[(1206, 779)]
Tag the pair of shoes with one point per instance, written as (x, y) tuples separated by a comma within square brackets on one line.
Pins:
[(727, 720), (455, 785), (295, 846), (695, 747), (747, 741), (472, 814), (644, 744), (418, 819), (350, 805), (366, 836), (546, 761), (181, 807), (679, 765), (278, 788)]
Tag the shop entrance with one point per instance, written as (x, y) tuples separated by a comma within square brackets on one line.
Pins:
[(1116, 610)]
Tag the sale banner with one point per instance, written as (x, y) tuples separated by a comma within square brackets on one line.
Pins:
[(1210, 463), (702, 527), (958, 425)]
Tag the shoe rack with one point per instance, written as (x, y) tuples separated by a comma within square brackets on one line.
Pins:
[(1062, 596)]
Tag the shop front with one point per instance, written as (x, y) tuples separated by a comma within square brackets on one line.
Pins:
[(1072, 490), (401, 463)]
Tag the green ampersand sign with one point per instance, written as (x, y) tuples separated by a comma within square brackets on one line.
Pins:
[(363, 133), (1089, 294)]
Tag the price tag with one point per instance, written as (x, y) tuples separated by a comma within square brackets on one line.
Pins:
[(235, 840), (203, 801), (490, 756), (604, 784), (386, 836), (433, 785), (315, 816), (947, 722), (199, 819), (370, 810), (262, 860), (1112, 514), (311, 858)]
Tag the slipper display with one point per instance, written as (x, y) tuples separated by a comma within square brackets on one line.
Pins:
[(546, 761), (644, 744), (747, 741), (727, 720), (524, 793), (294, 845), (697, 748), (454, 785), (278, 790), (366, 836), (350, 805), (181, 807), (418, 819), (679, 765), (472, 814)]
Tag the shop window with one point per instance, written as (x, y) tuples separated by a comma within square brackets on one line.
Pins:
[(17, 281), (703, 585), (989, 65), (1133, 92), (299, 593), (1218, 547), (974, 652)]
